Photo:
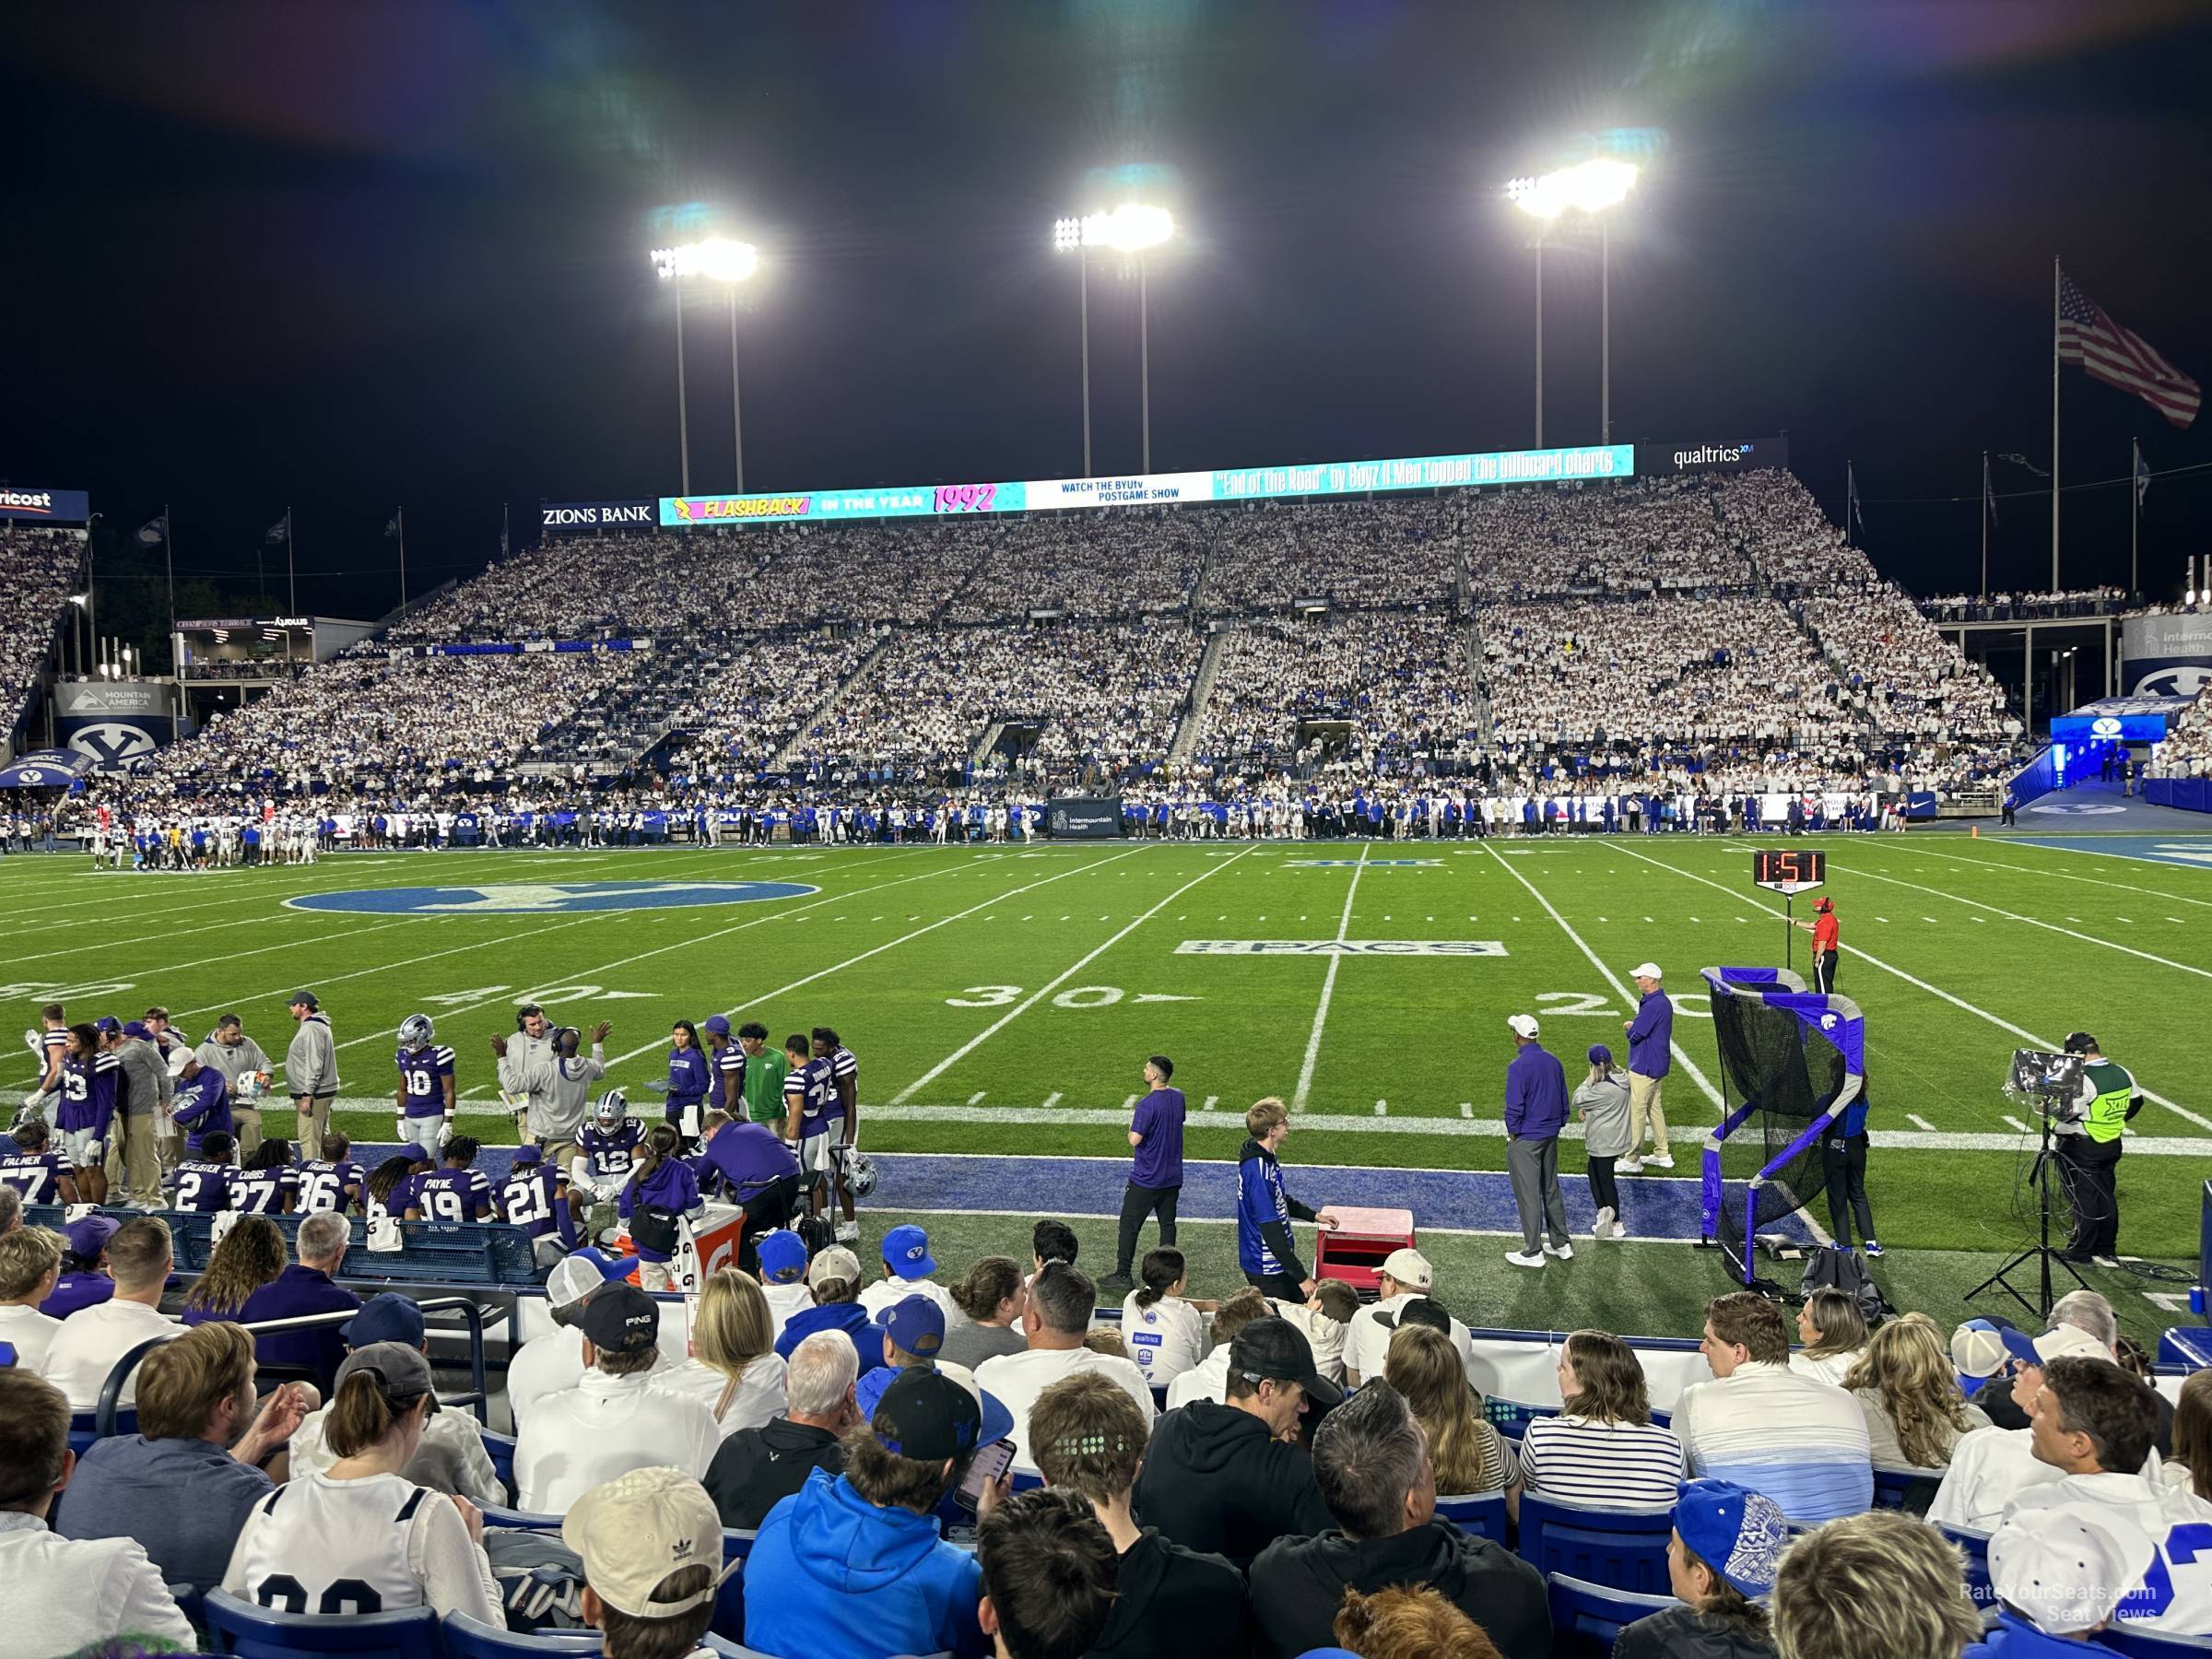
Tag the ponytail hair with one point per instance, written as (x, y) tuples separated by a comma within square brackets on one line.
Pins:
[(663, 1141), (1162, 1268), (361, 1414)]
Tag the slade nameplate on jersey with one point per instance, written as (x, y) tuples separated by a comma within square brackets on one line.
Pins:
[(1084, 818)]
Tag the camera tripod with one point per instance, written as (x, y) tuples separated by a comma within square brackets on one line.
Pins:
[(2042, 1251)]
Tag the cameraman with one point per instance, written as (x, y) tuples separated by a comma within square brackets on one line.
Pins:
[(2088, 1143)]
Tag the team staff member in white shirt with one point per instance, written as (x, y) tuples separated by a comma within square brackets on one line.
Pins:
[(1406, 1273), (358, 1537), (65, 1594), (615, 1419)]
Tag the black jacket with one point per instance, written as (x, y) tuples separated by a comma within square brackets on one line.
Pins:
[(1683, 1632), (1298, 1585), (757, 1468), (1169, 1601), (1215, 1481)]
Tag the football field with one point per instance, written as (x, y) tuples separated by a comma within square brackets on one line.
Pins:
[(1002, 1002)]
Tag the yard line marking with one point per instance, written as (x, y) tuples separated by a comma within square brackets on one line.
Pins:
[(1999, 863), (1619, 989), (1957, 1002), (125, 966), (1995, 910), (2017, 1125), (976, 1098), (1211, 1101), (1053, 985), (1382, 1108), (1921, 1122), (1129, 1105), (235, 921), (1467, 1109), (1328, 991)]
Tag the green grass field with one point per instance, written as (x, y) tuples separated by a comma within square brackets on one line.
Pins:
[(1001, 1001)]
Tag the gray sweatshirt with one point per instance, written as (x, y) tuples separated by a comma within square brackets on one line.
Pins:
[(311, 1064), (558, 1096), (1606, 1130), (146, 1079), (233, 1062)]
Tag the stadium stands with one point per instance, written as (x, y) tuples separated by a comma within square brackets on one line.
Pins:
[(2186, 751), (40, 567)]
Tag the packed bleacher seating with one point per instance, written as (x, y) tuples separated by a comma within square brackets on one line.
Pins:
[(1908, 678), (1353, 555), (40, 567), (2051, 605), (2186, 751)]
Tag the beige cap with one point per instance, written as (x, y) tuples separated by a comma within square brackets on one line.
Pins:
[(1409, 1267), (2063, 1342), (635, 1531), (835, 1262)]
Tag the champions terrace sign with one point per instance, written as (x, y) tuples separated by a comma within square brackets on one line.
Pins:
[(1152, 489)]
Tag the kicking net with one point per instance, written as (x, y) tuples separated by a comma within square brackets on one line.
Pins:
[(1791, 1060)]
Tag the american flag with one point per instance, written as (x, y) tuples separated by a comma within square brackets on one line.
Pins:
[(2119, 357)]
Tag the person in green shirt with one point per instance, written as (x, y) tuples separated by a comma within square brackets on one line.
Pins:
[(2086, 1136), (764, 1069)]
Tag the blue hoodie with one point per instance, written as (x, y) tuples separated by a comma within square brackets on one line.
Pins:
[(2013, 1637), (832, 1573), (849, 1317)]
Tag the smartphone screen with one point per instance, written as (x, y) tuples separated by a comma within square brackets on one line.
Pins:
[(986, 1467)]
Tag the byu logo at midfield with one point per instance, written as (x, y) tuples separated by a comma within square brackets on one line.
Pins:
[(541, 898)]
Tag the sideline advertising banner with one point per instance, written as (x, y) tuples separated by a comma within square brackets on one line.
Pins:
[(56, 506), (2166, 656), (1086, 817), (1145, 489), (1667, 460), (593, 515)]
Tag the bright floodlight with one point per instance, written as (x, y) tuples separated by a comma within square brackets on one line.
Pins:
[(1129, 229), (1586, 187), (716, 259)]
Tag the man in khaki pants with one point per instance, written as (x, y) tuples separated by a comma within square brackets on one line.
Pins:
[(310, 1071), (1651, 1056), (134, 1167)]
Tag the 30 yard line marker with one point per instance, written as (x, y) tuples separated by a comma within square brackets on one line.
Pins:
[(977, 1098), (1921, 1122), (1328, 990), (1051, 1099)]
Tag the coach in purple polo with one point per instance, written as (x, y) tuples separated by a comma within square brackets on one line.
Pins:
[(306, 1287), (1650, 1043), (1155, 1168)]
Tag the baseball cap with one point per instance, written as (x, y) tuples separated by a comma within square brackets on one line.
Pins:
[(915, 1324), (402, 1372), (2067, 1569), (529, 1152), (1980, 1348), (1409, 1266), (998, 1422), (89, 1235), (906, 1252), (1646, 970), (1824, 904), (637, 1530), (1420, 1310), (1600, 1054), (1736, 1531), (2061, 1342), (303, 999), (136, 1028), (385, 1317), (717, 1024), (2080, 1043), (835, 1262), (1524, 1025), (107, 1022), (926, 1415), (782, 1255), (576, 1276), (620, 1318), (415, 1152), (1273, 1349)]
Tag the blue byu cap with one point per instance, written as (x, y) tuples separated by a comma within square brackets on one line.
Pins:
[(782, 1256), (906, 1252)]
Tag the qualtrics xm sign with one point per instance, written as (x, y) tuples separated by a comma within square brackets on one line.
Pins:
[(1741, 454)]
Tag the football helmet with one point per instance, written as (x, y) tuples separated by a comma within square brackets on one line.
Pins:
[(415, 1032), (611, 1109), (860, 1173)]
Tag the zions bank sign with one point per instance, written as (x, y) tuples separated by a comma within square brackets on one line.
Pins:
[(1738, 455), (595, 515)]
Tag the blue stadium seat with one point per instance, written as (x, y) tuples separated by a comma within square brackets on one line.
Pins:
[(729, 1601), (1586, 1619), (242, 1629), (1482, 1513), (524, 1519), (1025, 1483), (467, 1638), (731, 1650), (2122, 1637), (1902, 1489), (1974, 1545), (1509, 1417), (500, 1448), (1621, 1549)]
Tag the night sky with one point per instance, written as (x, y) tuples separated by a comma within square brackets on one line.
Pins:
[(342, 257)]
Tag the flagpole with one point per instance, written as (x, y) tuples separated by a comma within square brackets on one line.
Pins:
[(169, 559), (292, 571), (2135, 510), (2055, 280), (402, 520), (1851, 494), (1985, 523)]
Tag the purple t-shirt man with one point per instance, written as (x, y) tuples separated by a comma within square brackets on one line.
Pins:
[(750, 1158), (1158, 1158)]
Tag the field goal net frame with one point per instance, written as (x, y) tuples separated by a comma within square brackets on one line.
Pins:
[(1838, 1024)]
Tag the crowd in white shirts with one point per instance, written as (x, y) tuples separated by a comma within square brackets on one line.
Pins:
[(39, 567)]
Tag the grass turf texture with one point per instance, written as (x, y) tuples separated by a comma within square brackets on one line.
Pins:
[(1003, 1000)]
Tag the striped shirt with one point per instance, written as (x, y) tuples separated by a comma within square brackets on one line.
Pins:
[(1584, 1461), (1801, 1442)]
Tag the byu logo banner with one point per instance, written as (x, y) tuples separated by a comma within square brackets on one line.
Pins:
[(548, 897)]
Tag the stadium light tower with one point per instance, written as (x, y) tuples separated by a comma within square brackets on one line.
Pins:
[(1588, 188), (730, 264), (1129, 230)]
